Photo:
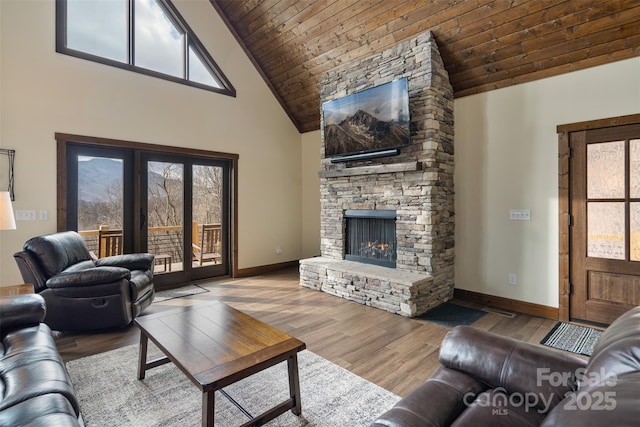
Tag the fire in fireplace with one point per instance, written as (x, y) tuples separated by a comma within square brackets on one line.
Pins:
[(370, 236)]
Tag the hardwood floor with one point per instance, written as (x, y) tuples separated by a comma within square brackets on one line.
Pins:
[(395, 352)]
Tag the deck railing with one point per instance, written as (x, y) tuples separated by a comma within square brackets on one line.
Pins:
[(161, 240)]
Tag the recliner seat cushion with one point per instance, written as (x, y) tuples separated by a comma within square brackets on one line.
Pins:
[(89, 277)]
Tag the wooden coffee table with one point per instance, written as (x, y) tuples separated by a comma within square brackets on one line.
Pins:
[(215, 345)]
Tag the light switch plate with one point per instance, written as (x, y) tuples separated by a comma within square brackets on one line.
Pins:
[(25, 215), (520, 214)]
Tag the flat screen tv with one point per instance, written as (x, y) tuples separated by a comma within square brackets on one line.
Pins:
[(367, 124)]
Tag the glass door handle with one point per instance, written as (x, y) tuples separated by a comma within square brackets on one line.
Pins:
[(143, 219)]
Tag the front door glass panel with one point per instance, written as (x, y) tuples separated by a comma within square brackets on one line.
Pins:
[(605, 170), (605, 222), (634, 168)]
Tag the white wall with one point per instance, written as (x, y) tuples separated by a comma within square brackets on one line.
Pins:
[(311, 149), (43, 92), (506, 153)]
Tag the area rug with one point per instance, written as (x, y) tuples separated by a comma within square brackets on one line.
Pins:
[(111, 395), (183, 291), (573, 338), (452, 315)]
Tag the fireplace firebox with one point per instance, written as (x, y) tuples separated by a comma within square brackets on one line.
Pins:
[(370, 236)]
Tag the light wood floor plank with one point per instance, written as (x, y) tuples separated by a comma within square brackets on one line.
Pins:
[(392, 351)]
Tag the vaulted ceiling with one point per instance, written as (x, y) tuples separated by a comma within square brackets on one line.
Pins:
[(485, 44)]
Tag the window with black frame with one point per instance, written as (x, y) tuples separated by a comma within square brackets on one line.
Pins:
[(144, 36)]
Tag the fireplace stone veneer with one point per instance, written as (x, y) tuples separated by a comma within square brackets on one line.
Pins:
[(417, 184)]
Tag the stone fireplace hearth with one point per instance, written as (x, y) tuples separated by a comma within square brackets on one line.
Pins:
[(416, 185)]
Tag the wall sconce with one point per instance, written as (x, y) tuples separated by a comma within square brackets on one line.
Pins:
[(7, 221), (11, 154)]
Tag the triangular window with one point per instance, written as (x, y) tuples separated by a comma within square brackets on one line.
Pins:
[(145, 36)]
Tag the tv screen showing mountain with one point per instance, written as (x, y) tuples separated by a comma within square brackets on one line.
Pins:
[(374, 119)]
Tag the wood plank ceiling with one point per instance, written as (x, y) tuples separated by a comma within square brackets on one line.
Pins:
[(485, 44)]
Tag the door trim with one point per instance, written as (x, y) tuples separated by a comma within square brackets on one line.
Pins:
[(564, 199), (61, 194)]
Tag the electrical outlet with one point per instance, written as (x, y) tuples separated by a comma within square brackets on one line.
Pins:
[(513, 279), (44, 215), (278, 250)]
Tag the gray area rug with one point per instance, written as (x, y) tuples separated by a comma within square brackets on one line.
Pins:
[(183, 291), (111, 395), (573, 338)]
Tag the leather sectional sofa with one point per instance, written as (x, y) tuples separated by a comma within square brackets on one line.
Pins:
[(489, 380), (35, 389)]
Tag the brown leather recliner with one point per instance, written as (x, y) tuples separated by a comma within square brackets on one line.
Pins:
[(83, 295), (489, 380)]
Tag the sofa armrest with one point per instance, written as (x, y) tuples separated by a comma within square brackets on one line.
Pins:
[(88, 277), (20, 311), (30, 269), (513, 365), (140, 261), (436, 402)]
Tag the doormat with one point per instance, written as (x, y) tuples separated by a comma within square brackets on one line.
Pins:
[(576, 339), (452, 315), (183, 291)]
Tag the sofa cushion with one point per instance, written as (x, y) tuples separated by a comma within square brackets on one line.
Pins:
[(496, 409), (40, 411), (613, 404), (27, 342), (513, 365), (31, 366)]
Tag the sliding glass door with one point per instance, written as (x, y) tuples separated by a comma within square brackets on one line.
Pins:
[(176, 207)]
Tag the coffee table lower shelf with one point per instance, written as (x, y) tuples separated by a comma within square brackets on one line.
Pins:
[(217, 370)]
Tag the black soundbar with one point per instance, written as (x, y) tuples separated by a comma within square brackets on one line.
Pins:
[(365, 156)]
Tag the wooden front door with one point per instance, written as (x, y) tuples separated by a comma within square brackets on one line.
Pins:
[(604, 232)]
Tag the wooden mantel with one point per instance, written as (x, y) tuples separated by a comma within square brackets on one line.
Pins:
[(372, 169)]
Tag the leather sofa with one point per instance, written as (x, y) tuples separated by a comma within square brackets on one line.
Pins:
[(35, 389), (82, 294), (489, 380)]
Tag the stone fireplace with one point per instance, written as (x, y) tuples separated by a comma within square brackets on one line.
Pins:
[(412, 271)]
